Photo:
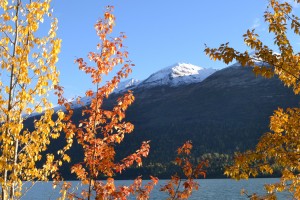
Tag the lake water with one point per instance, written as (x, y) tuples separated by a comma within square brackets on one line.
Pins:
[(215, 189)]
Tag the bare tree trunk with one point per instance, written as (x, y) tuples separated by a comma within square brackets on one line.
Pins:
[(10, 100), (12, 189)]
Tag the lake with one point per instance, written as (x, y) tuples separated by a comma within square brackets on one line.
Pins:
[(215, 189)]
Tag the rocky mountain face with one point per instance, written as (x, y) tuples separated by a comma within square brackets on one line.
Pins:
[(222, 112)]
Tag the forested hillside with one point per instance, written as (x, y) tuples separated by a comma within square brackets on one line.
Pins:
[(225, 113)]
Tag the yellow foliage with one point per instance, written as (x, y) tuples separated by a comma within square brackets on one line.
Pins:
[(26, 52), (278, 149), (61, 115)]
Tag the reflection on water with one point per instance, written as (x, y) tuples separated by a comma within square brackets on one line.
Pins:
[(215, 189)]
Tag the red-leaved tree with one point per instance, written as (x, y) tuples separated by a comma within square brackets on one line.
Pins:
[(101, 130), (178, 188)]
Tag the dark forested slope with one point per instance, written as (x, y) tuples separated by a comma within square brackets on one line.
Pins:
[(226, 112)]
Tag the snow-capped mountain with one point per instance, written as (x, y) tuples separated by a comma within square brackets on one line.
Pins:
[(126, 85), (227, 111), (175, 75)]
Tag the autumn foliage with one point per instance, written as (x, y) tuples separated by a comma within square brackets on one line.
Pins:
[(101, 130), (191, 172), (278, 148), (28, 74)]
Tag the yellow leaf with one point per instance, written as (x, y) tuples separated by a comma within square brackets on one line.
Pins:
[(6, 17), (61, 115)]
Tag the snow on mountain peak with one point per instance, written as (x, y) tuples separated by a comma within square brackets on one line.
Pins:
[(174, 75), (177, 74), (126, 85)]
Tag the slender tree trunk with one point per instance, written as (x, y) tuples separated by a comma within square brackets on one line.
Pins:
[(5, 188), (12, 189), (94, 151), (4, 191)]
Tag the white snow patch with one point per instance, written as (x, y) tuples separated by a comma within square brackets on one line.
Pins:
[(177, 74), (174, 75), (126, 85)]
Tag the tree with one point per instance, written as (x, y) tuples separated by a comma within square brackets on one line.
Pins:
[(101, 130), (28, 74), (278, 148), (190, 171)]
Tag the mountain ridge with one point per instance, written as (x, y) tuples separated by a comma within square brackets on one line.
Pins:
[(173, 75), (226, 112)]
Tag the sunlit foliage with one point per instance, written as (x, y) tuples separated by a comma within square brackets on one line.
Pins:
[(280, 147), (101, 130), (28, 60), (182, 188)]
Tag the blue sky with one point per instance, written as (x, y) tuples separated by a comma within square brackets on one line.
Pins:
[(160, 32)]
